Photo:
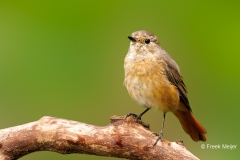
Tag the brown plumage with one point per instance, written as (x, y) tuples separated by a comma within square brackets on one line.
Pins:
[(190, 125), (153, 79)]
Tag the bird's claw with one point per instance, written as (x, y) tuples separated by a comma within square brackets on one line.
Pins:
[(133, 114), (156, 134), (138, 119), (159, 138)]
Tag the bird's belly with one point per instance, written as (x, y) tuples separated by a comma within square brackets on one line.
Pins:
[(151, 88)]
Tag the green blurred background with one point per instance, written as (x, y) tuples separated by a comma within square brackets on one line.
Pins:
[(65, 59)]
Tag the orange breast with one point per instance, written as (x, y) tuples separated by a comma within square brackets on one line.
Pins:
[(148, 85)]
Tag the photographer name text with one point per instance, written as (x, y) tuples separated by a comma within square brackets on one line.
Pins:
[(219, 146)]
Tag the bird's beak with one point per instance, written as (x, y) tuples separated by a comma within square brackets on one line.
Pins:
[(132, 39)]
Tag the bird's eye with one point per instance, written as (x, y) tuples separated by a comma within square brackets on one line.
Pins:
[(147, 41)]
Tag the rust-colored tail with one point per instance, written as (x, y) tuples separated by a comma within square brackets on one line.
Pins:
[(191, 125)]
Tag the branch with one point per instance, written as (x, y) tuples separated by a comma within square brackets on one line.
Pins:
[(123, 138)]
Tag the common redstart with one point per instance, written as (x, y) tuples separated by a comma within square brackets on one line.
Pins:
[(153, 79)]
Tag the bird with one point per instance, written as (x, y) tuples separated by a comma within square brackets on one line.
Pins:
[(153, 80)]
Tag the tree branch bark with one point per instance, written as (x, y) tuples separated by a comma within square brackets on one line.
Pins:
[(123, 138)]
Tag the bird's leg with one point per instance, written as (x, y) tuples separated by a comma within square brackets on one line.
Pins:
[(161, 132), (138, 116)]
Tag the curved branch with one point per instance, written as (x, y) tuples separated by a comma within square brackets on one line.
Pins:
[(123, 138)]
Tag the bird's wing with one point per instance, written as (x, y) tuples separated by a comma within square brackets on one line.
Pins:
[(173, 75)]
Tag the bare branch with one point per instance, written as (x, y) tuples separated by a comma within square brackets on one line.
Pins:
[(123, 138)]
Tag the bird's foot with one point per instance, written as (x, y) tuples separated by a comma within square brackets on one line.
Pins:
[(134, 115), (159, 138), (137, 118), (156, 134)]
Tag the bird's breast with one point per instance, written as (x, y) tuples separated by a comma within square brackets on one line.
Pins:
[(148, 85)]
